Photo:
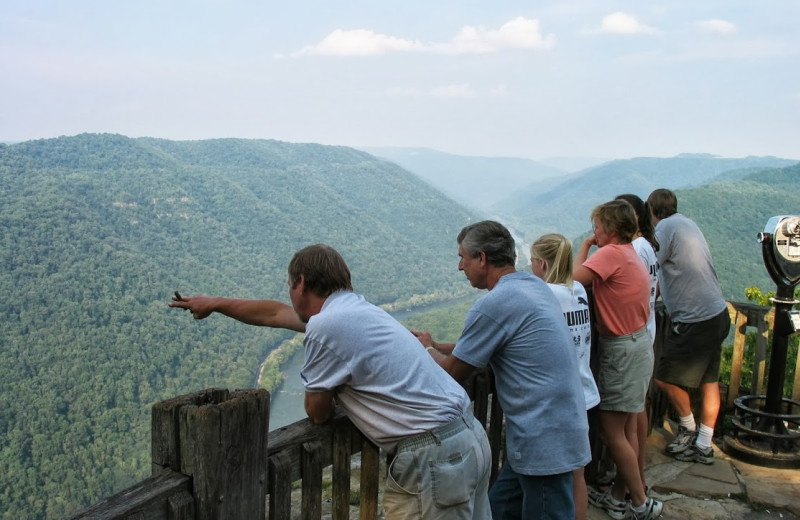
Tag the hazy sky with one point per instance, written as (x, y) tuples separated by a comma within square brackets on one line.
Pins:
[(536, 79)]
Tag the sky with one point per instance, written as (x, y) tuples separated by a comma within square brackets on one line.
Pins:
[(511, 78)]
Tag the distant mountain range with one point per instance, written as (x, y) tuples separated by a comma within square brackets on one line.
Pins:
[(565, 207), (534, 199), (475, 182), (98, 230)]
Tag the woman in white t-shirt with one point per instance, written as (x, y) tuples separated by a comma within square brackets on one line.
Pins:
[(551, 260)]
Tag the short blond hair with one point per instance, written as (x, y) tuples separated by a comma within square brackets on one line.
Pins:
[(617, 216)]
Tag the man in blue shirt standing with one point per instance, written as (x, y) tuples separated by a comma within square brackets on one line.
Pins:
[(518, 330)]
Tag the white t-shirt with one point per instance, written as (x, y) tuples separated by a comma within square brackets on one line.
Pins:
[(650, 261), (384, 380), (575, 306)]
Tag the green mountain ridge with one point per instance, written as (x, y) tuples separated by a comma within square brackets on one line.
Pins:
[(99, 230)]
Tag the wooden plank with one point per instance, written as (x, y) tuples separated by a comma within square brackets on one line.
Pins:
[(181, 507), (312, 480), (495, 434), (164, 420), (740, 322), (341, 473), (222, 447), (292, 437), (149, 499), (280, 486), (480, 395), (369, 481), (760, 357)]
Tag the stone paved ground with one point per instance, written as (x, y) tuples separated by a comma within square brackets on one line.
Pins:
[(726, 489)]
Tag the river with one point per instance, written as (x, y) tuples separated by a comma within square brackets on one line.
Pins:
[(286, 403)]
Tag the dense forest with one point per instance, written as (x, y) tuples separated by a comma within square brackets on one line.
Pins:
[(731, 213), (97, 231)]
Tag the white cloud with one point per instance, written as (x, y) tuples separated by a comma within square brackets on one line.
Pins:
[(499, 91), (519, 33), (624, 23), (358, 42), (718, 27), (404, 92), (459, 91), (454, 91)]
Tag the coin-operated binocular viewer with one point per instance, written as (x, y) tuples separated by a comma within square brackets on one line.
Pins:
[(767, 427)]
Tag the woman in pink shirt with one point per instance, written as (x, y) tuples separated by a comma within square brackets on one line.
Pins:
[(621, 288)]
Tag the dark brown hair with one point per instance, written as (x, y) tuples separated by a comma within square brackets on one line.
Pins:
[(643, 217), (663, 203), (323, 269)]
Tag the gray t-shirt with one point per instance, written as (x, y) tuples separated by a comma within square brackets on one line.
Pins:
[(385, 382), (689, 285), (518, 329)]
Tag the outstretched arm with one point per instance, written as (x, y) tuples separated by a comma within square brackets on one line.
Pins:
[(264, 313)]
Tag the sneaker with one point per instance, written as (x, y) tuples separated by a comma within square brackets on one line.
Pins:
[(695, 453), (652, 509), (682, 440), (613, 508)]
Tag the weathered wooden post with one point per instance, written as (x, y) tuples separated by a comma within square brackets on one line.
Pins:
[(219, 438)]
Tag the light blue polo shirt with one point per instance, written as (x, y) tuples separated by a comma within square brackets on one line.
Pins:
[(518, 329)]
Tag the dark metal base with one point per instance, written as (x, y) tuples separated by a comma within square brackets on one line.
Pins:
[(760, 454), (763, 438)]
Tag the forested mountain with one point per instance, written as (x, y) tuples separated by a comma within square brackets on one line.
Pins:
[(97, 231), (476, 182), (732, 213), (564, 207)]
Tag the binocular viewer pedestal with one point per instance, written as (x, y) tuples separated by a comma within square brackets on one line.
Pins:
[(766, 428)]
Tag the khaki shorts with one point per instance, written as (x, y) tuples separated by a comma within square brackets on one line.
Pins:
[(625, 366), (691, 352)]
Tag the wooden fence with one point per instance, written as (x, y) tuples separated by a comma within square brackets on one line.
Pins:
[(211, 459)]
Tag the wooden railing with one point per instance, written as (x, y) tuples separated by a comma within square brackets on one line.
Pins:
[(211, 459)]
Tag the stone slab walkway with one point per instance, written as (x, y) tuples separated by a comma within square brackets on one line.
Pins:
[(726, 489)]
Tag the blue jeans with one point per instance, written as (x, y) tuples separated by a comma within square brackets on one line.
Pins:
[(532, 497), (441, 475)]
